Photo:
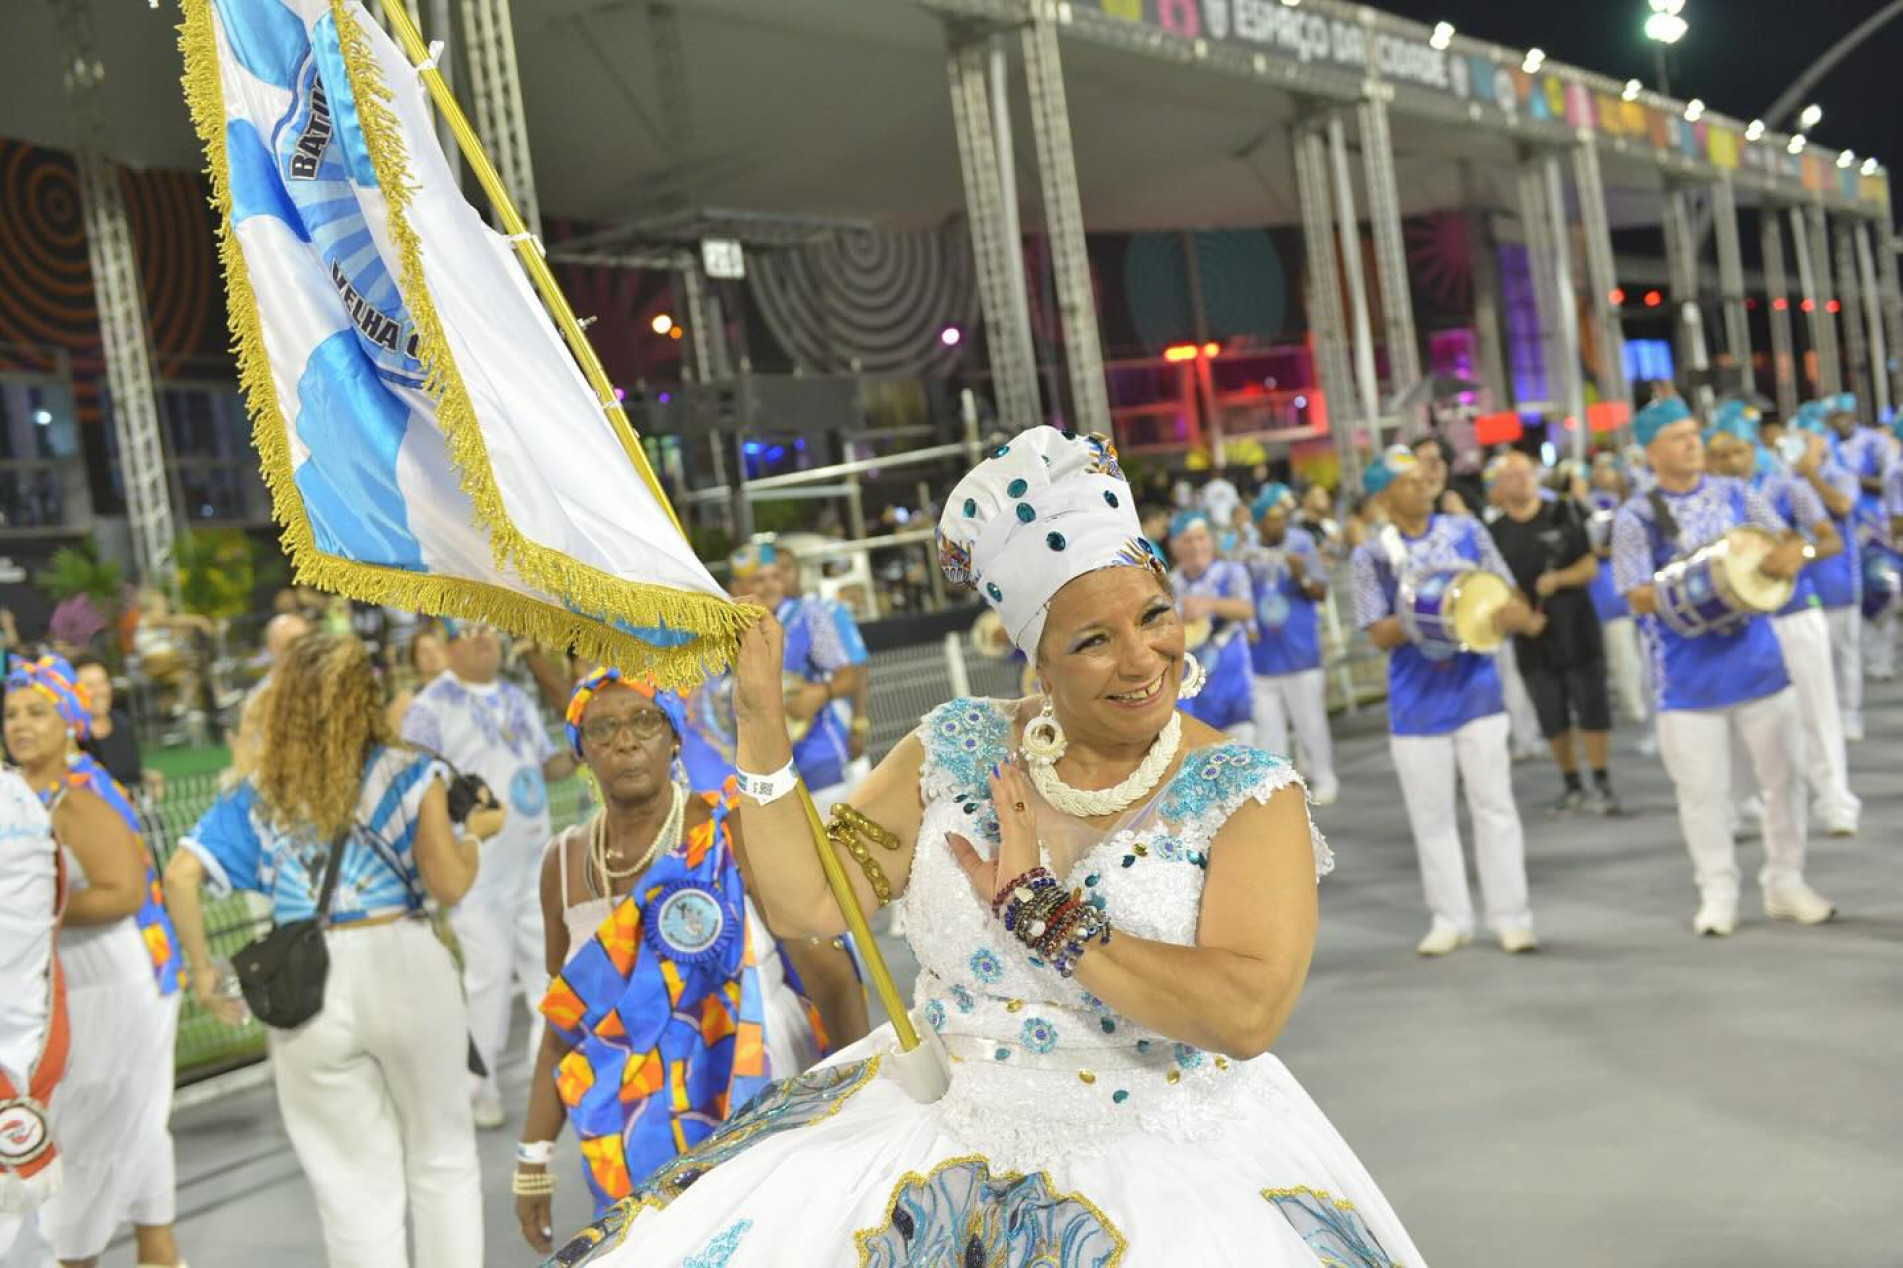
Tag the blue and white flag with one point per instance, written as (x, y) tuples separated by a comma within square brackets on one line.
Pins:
[(426, 436)]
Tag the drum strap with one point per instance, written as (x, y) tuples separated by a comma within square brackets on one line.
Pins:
[(1664, 523)]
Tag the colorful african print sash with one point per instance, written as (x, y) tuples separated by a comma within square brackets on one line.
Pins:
[(155, 926), (663, 1015)]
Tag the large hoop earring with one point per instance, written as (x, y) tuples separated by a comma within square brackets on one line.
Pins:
[(1044, 740), (1194, 678)]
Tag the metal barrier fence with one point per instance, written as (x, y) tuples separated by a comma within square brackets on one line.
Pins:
[(207, 1046)]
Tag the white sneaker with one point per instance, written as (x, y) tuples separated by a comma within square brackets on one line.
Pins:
[(1798, 903), (490, 1115), (1717, 917), (1841, 827), (1853, 732), (1442, 938), (1518, 941), (1326, 797)]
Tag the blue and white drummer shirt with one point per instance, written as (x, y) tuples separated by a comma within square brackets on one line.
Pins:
[(1839, 579), (821, 639), (1711, 671), (1288, 637), (1798, 505), (1428, 695)]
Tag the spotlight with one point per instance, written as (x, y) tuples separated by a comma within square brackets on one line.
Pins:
[(1846, 159), (662, 323), (950, 336), (1442, 37), (1795, 145), (1754, 130), (1632, 89), (1869, 167), (1653, 299), (1694, 110), (1535, 58), (1812, 115)]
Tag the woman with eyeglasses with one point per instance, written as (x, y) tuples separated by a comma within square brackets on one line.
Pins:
[(670, 1004)]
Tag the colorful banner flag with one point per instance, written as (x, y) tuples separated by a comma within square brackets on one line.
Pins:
[(427, 438)]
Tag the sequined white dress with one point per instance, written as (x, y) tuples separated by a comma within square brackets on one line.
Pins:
[(1070, 1137)]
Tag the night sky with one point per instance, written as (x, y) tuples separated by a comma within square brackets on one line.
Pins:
[(1739, 55)]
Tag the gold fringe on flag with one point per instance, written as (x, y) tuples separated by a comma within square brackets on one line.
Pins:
[(714, 621)]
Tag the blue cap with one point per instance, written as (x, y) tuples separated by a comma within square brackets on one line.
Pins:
[(1270, 495), (1734, 418), (1810, 417), (1656, 417), (752, 557), (1383, 470), (1842, 403), (1183, 521)]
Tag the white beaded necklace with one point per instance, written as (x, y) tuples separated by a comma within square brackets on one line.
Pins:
[(1093, 803), (669, 833)]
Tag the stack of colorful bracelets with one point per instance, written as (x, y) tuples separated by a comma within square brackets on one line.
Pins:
[(1056, 926)]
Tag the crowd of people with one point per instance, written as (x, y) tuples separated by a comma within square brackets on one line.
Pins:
[(697, 1000)]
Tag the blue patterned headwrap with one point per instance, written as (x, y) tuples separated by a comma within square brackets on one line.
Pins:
[(1734, 418), (1271, 495), (591, 686), (53, 678)]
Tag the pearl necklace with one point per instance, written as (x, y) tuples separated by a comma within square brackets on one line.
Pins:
[(1093, 803), (669, 833)]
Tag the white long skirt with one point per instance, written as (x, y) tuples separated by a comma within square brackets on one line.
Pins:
[(112, 1112), (842, 1166)]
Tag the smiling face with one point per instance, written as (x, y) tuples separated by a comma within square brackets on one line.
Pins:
[(628, 744), (1432, 466), (1111, 657), (36, 734)]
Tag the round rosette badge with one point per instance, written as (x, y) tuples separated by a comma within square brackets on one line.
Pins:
[(687, 923), (23, 1132)]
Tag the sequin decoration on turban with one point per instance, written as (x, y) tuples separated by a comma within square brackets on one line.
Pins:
[(1045, 507)]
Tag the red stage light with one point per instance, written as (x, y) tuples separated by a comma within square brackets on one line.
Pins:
[(1653, 299), (1809, 305), (1616, 295), (1750, 305), (1180, 352), (1780, 303), (1831, 306)]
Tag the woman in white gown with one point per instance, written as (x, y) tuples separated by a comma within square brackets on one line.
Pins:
[(1111, 1098)]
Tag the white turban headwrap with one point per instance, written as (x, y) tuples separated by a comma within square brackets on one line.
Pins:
[(1043, 508)]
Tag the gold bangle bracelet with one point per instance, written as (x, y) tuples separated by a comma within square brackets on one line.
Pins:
[(843, 814)]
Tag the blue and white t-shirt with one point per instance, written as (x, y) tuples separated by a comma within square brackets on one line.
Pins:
[(1426, 695), (1893, 496), (1798, 505), (1865, 455), (1223, 579), (243, 850), (1288, 639), (1712, 671), (821, 639), (1839, 579), (492, 730)]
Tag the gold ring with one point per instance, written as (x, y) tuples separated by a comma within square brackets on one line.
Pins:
[(1018, 806)]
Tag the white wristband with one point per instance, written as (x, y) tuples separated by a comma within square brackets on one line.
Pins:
[(535, 1153), (766, 789)]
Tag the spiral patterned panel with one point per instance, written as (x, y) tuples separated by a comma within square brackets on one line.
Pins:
[(882, 298), (46, 289)]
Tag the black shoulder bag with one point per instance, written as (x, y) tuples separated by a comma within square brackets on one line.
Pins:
[(283, 972)]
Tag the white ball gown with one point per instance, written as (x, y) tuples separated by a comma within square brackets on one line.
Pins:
[(1070, 1137)]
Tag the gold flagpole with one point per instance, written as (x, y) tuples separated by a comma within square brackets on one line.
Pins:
[(529, 253)]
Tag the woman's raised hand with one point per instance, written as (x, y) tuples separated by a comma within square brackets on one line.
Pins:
[(757, 670), (1018, 850)]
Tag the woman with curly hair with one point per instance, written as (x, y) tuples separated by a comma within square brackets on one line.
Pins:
[(373, 1087)]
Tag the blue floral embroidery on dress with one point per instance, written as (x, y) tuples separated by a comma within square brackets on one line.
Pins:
[(935, 1014), (1167, 848), (720, 1251), (1330, 1227), (960, 1215), (962, 738), (962, 998), (1188, 1058), (1038, 1035), (985, 965), (1216, 777)]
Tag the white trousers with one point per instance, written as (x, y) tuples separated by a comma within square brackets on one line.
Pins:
[(1879, 646), (1805, 638), (1300, 698), (502, 952), (1427, 765), (376, 1105), (1696, 747), (1846, 657), (1625, 665), (1523, 718)]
